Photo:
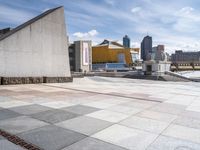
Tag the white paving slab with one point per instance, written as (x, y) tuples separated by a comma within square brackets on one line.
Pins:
[(108, 116), (57, 104), (129, 138), (145, 124), (183, 132)]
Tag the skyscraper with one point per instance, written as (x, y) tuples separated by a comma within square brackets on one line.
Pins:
[(126, 41), (146, 48)]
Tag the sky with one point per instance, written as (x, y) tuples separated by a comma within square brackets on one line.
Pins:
[(174, 23)]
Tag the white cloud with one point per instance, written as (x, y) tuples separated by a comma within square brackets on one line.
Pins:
[(88, 34), (110, 2), (136, 9)]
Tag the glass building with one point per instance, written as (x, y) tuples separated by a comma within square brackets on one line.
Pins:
[(126, 41)]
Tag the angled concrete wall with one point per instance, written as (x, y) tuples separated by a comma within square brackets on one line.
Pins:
[(39, 49)]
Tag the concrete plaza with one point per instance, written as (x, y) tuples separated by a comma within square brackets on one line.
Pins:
[(98, 113)]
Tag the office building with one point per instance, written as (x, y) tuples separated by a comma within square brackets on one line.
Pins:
[(126, 41), (36, 51), (80, 55), (146, 48), (185, 57)]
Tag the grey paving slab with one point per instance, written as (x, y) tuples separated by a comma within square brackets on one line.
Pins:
[(20, 124), (54, 116), (51, 137), (81, 109), (169, 143), (30, 109), (85, 125), (6, 145), (188, 122), (6, 114), (93, 144)]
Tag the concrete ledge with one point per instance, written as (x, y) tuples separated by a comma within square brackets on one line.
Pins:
[(33, 80), (57, 79)]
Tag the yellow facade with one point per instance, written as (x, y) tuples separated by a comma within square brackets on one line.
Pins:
[(104, 54)]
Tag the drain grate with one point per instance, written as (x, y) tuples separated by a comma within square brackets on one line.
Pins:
[(18, 141)]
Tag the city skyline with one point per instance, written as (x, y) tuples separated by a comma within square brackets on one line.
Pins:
[(173, 23)]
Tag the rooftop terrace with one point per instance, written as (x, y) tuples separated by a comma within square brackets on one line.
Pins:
[(97, 113)]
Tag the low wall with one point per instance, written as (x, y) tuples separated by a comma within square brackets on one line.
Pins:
[(33, 80)]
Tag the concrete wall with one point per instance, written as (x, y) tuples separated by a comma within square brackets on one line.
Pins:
[(79, 56), (39, 49)]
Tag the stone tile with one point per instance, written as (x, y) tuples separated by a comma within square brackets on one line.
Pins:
[(139, 104), (93, 144), (99, 104), (6, 114), (13, 103), (169, 108), (54, 116), (188, 122), (85, 125), (190, 114), (81, 109), (195, 108), (125, 109), (51, 137), (6, 145), (30, 109), (108, 116), (146, 124), (165, 117), (57, 104), (126, 137), (184, 133), (169, 143), (20, 124)]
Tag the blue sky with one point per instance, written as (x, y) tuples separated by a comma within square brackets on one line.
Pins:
[(174, 23)]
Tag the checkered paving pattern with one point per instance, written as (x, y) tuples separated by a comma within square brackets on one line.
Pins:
[(97, 113)]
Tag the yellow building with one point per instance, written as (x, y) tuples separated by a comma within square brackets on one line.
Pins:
[(111, 52)]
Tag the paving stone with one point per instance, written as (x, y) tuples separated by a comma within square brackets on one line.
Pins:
[(81, 109), (13, 103), (169, 108), (165, 117), (30, 109), (169, 143), (54, 116), (108, 115), (183, 132), (51, 137), (85, 125), (145, 124), (99, 104), (126, 137), (191, 114), (6, 114), (188, 122), (6, 145), (125, 109), (57, 104), (93, 144), (20, 124)]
